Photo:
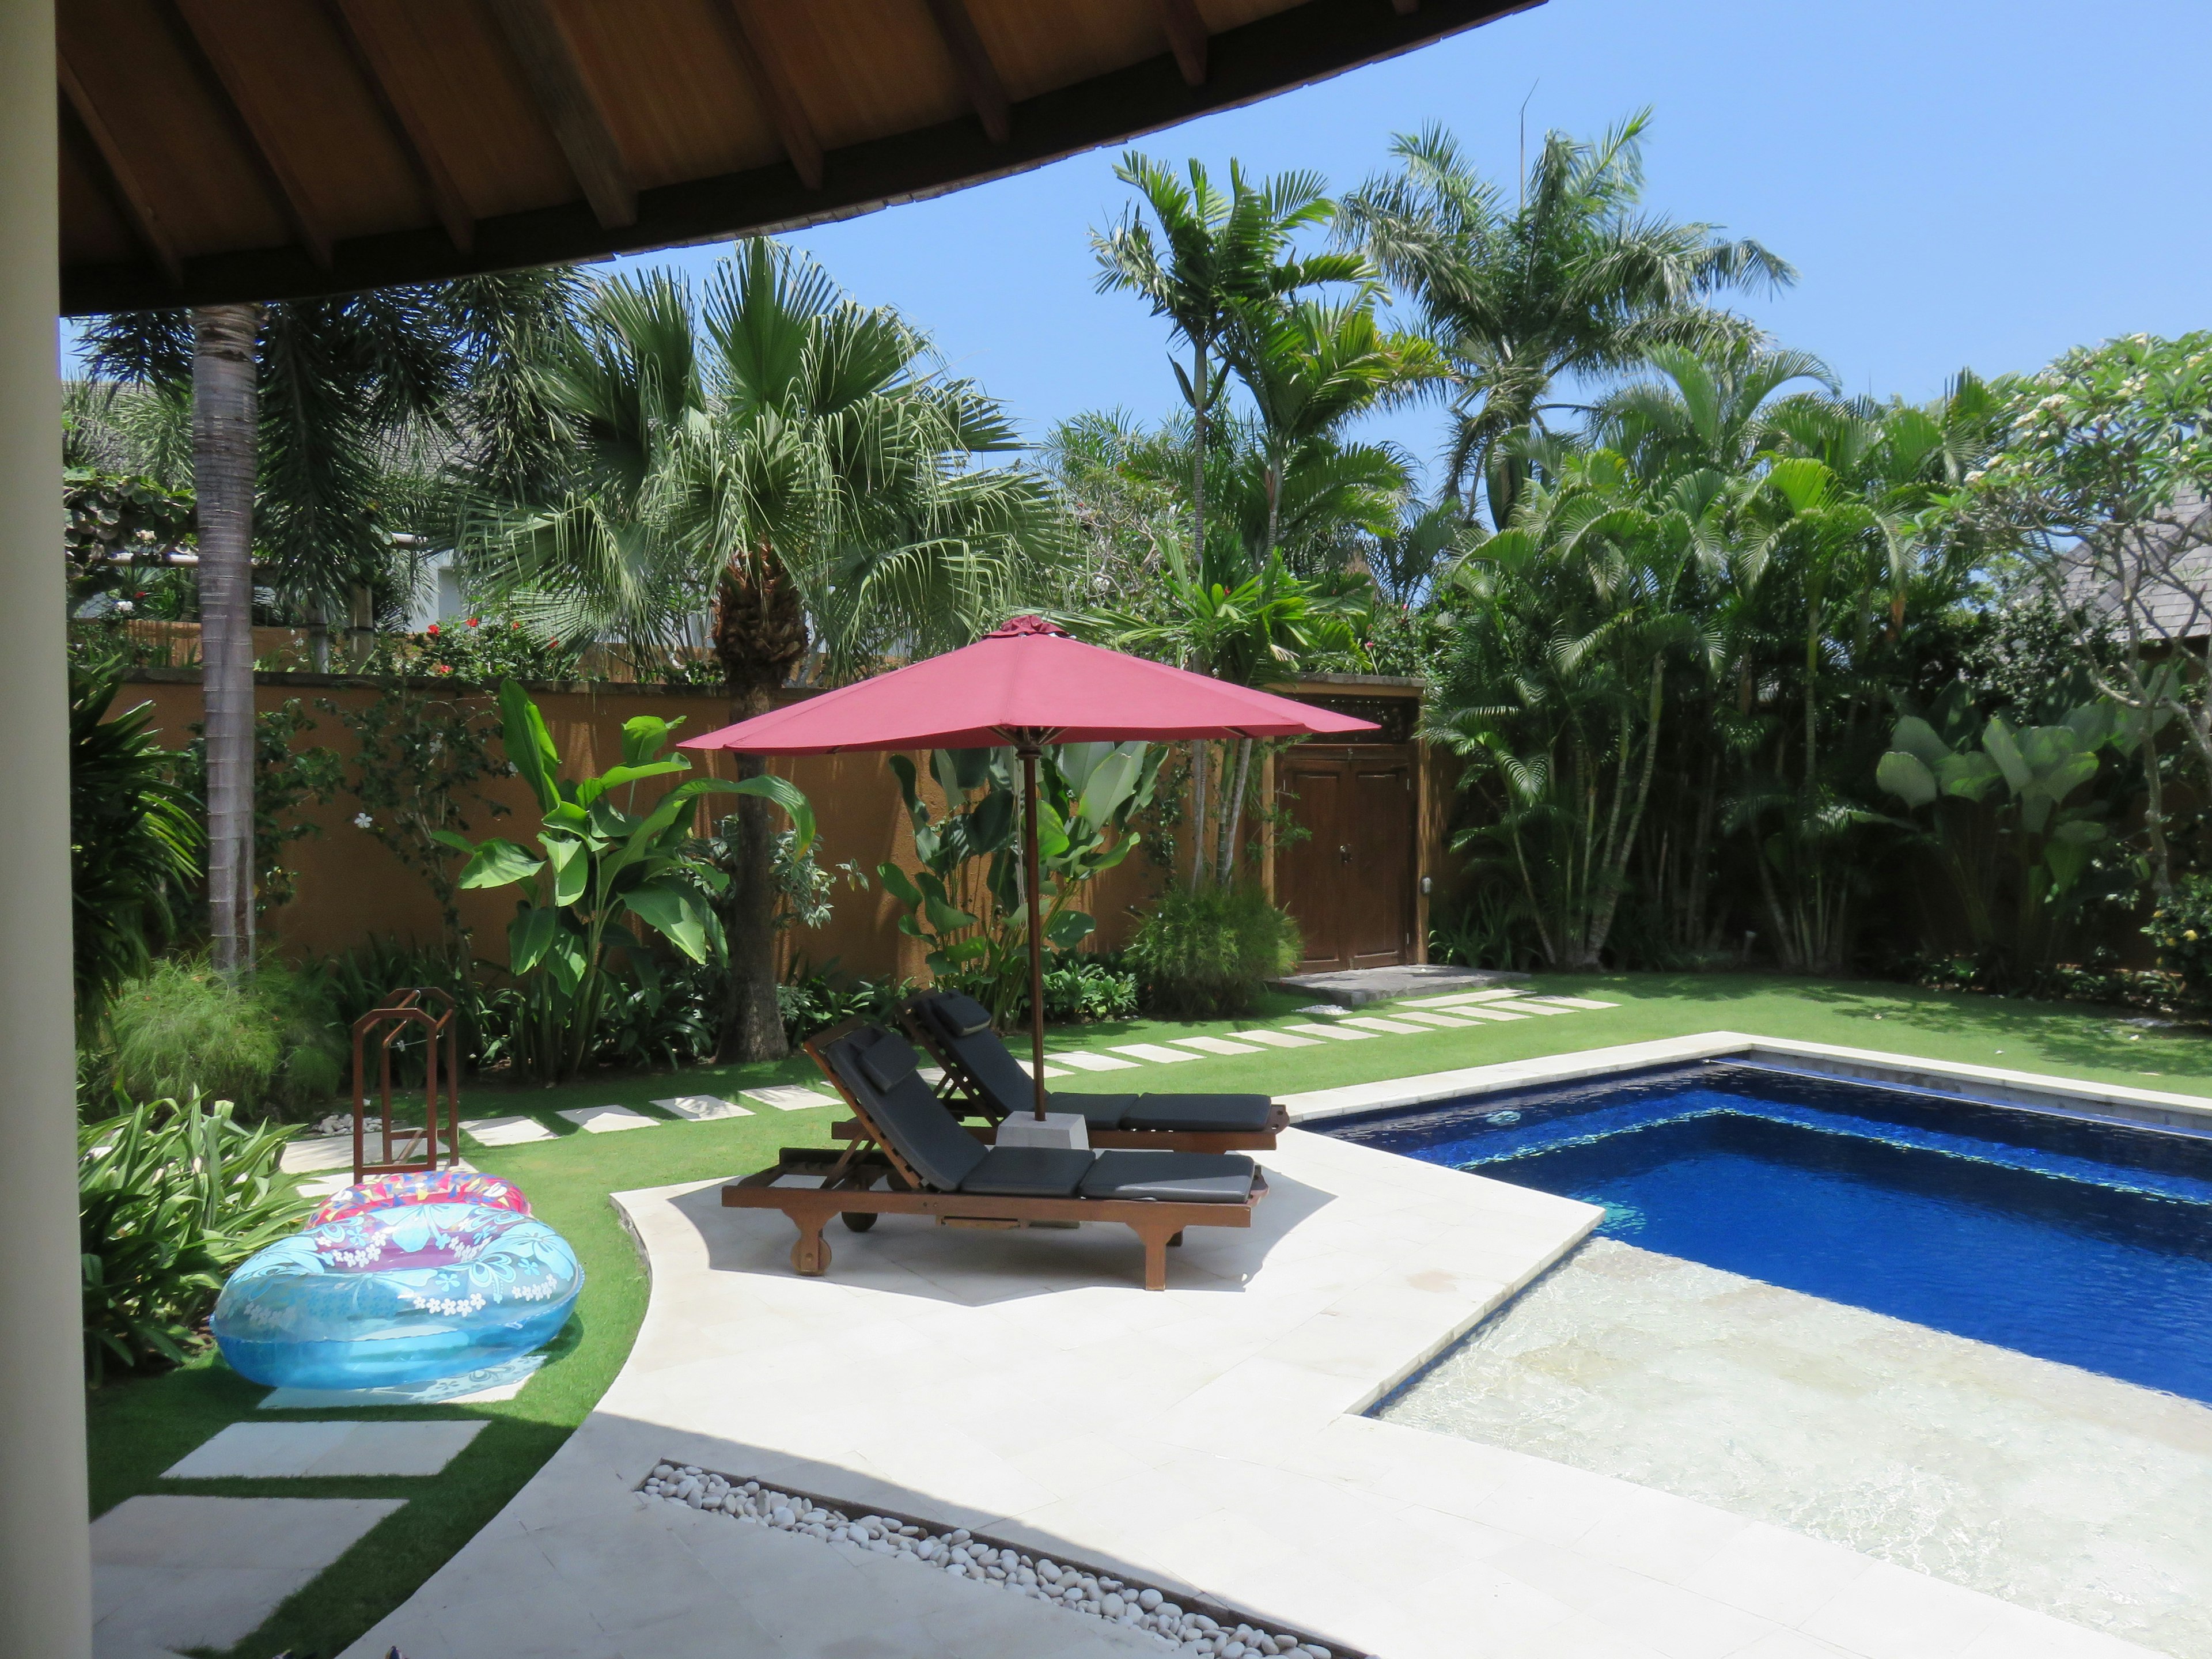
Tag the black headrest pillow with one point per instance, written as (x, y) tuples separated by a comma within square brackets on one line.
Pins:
[(961, 1014), (889, 1060)]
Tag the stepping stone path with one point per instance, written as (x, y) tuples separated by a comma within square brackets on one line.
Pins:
[(171, 1571), (266, 1451), (788, 1097), (1050, 1070), (1088, 1063), (607, 1119), (1337, 1032), (505, 1131), (1214, 1045), (1371, 1022), (1153, 1051), (1276, 1039), (699, 1107)]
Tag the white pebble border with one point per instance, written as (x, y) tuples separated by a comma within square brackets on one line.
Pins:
[(1216, 1633)]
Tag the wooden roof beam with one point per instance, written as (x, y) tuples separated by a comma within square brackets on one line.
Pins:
[(131, 196), (800, 142), (358, 26), (1187, 37), (564, 97), (973, 61), (1404, 7), (198, 32)]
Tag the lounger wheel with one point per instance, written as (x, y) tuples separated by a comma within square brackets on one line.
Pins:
[(859, 1221)]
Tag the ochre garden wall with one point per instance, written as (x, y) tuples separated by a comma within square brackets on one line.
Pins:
[(349, 887)]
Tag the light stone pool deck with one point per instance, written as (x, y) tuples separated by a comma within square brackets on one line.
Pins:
[(1205, 1439)]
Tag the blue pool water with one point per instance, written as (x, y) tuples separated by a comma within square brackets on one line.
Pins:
[(2074, 1242)]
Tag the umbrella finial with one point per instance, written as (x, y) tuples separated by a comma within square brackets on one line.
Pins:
[(1015, 627)]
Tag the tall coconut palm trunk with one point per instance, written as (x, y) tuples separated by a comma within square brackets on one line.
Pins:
[(760, 636), (225, 430)]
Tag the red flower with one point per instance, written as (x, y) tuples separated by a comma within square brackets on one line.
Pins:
[(472, 621), (432, 630), (514, 627), (443, 668)]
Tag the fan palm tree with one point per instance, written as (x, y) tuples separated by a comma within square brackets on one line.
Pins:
[(791, 467), (1570, 282)]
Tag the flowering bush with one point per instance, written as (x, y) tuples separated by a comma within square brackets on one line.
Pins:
[(474, 650), (2181, 927)]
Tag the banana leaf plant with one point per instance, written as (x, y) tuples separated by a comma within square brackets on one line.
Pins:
[(603, 879), (2004, 816), (1087, 792)]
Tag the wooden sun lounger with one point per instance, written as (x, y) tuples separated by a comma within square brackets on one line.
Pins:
[(969, 1091), (907, 1132)]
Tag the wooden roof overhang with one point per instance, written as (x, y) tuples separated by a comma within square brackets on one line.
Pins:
[(228, 149)]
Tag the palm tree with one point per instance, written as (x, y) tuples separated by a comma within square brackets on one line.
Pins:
[(1570, 283), (307, 417), (794, 468), (1312, 368)]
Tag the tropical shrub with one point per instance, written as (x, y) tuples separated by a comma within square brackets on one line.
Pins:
[(603, 880), (134, 840), (353, 981), (264, 1040), (476, 651), (2181, 927), (815, 999), (170, 1198), (1210, 952), (1081, 990)]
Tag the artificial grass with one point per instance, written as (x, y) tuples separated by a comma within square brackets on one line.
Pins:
[(140, 1427)]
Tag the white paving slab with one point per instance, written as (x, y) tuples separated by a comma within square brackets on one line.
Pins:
[(607, 1119), (789, 1098), (1574, 1002), (171, 1572), (1277, 1039), (700, 1108), (480, 1388), (1375, 1023), (1207, 1438), (1520, 1006), (1157, 1053), (1461, 998), (1029, 1068), (1214, 1045), (296, 1450), (1083, 1061), (1486, 1013), (514, 1131), (1337, 1032), (321, 1186), (1424, 1018)]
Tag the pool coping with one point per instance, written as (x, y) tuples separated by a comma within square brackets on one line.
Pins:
[(2027, 1090)]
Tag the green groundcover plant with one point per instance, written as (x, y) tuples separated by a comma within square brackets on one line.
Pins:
[(170, 1198), (2181, 927), (264, 1040)]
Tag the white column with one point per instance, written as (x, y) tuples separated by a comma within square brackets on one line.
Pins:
[(45, 1566)]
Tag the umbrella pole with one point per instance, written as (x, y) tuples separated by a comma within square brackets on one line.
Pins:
[(1037, 923)]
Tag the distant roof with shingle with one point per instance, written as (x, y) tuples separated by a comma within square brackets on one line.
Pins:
[(2171, 578)]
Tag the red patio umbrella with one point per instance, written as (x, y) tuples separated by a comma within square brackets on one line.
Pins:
[(1025, 684)]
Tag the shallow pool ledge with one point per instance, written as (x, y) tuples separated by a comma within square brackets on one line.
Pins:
[(2032, 1091), (1207, 1440)]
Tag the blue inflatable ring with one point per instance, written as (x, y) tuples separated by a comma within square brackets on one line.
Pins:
[(407, 1294)]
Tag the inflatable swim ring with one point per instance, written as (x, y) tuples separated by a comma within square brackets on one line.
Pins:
[(438, 1186), (408, 1294)]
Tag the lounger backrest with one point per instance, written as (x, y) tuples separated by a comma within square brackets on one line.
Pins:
[(964, 1026), (879, 1068)]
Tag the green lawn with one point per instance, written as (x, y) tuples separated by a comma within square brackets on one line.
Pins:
[(141, 1427)]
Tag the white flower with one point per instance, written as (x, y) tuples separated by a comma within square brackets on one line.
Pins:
[(362, 821), (124, 607)]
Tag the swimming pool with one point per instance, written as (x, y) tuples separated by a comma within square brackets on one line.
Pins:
[(2075, 1242)]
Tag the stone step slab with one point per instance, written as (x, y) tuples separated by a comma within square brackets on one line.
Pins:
[(270, 1451)]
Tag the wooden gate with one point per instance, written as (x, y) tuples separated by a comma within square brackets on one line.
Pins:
[(1349, 880)]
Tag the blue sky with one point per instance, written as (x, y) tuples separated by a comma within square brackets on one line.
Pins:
[(1959, 181)]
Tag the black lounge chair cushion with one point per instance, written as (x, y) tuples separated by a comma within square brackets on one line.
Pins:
[(958, 1013), (1029, 1172), (1229, 1114), (1172, 1177), (1099, 1111), (912, 1120)]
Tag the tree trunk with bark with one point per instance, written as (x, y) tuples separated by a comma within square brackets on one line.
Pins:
[(225, 432), (760, 636)]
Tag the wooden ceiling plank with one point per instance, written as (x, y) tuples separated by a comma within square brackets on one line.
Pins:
[(1187, 37), (957, 28), (1405, 8), (777, 91), (197, 30), (357, 24), (565, 98), (129, 189)]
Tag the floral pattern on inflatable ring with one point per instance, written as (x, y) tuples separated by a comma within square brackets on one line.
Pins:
[(433, 1187), (406, 1294)]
